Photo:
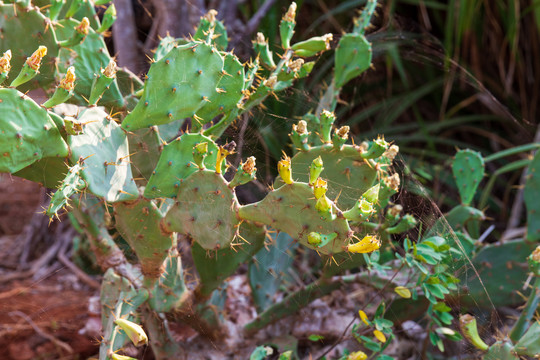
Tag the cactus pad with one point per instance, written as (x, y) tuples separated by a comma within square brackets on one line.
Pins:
[(47, 171), (214, 267), (176, 163), (531, 192), (352, 57), (347, 174), (170, 290), (185, 80), (103, 146), (468, 170), (291, 209), (268, 271), (138, 223), (205, 209), (28, 132)]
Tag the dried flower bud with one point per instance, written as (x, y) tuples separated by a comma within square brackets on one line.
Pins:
[(296, 65), (301, 127), (34, 61), (392, 182), (392, 152), (211, 16), (261, 39), (343, 132), (111, 69), (395, 210), (291, 13), (5, 62), (83, 27), (249, 165), (271, 82), (68, 82)]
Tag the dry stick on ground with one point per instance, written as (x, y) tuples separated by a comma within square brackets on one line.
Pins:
[(42, 333), (78, 272)]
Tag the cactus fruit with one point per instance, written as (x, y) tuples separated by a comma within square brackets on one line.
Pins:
[(28, 132), (468, 170), (469, 330), (260, 45), (311, 47), (78, 35)]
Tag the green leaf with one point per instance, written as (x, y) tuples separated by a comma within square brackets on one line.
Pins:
[(314, 337)]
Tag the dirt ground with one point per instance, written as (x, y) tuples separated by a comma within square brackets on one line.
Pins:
[(41, 314)]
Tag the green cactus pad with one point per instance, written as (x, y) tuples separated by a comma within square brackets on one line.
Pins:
[(352, 57), (502, 268), (501, 350), (456, 219), (176, 163), (219, 32), (72, 184), (138, 223), (185, 80), (27, 134), (205, 209), (214, 267), (89, 58), (146, 146), (291, 209), (531, 192), (104, 147), (32, 31), (347, 174), (232, 86), (47, 171), (170, 291), (119, 300), (468, 170), (268, 271)]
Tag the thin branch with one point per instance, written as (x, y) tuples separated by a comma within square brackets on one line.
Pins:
[(255, 20), (42, 333)]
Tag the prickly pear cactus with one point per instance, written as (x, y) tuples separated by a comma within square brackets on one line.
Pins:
[(188, 79), (159, 168), (28, 132), (530, 194), (468, 170)]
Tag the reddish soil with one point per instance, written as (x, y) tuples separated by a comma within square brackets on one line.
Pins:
[(55, 304)]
